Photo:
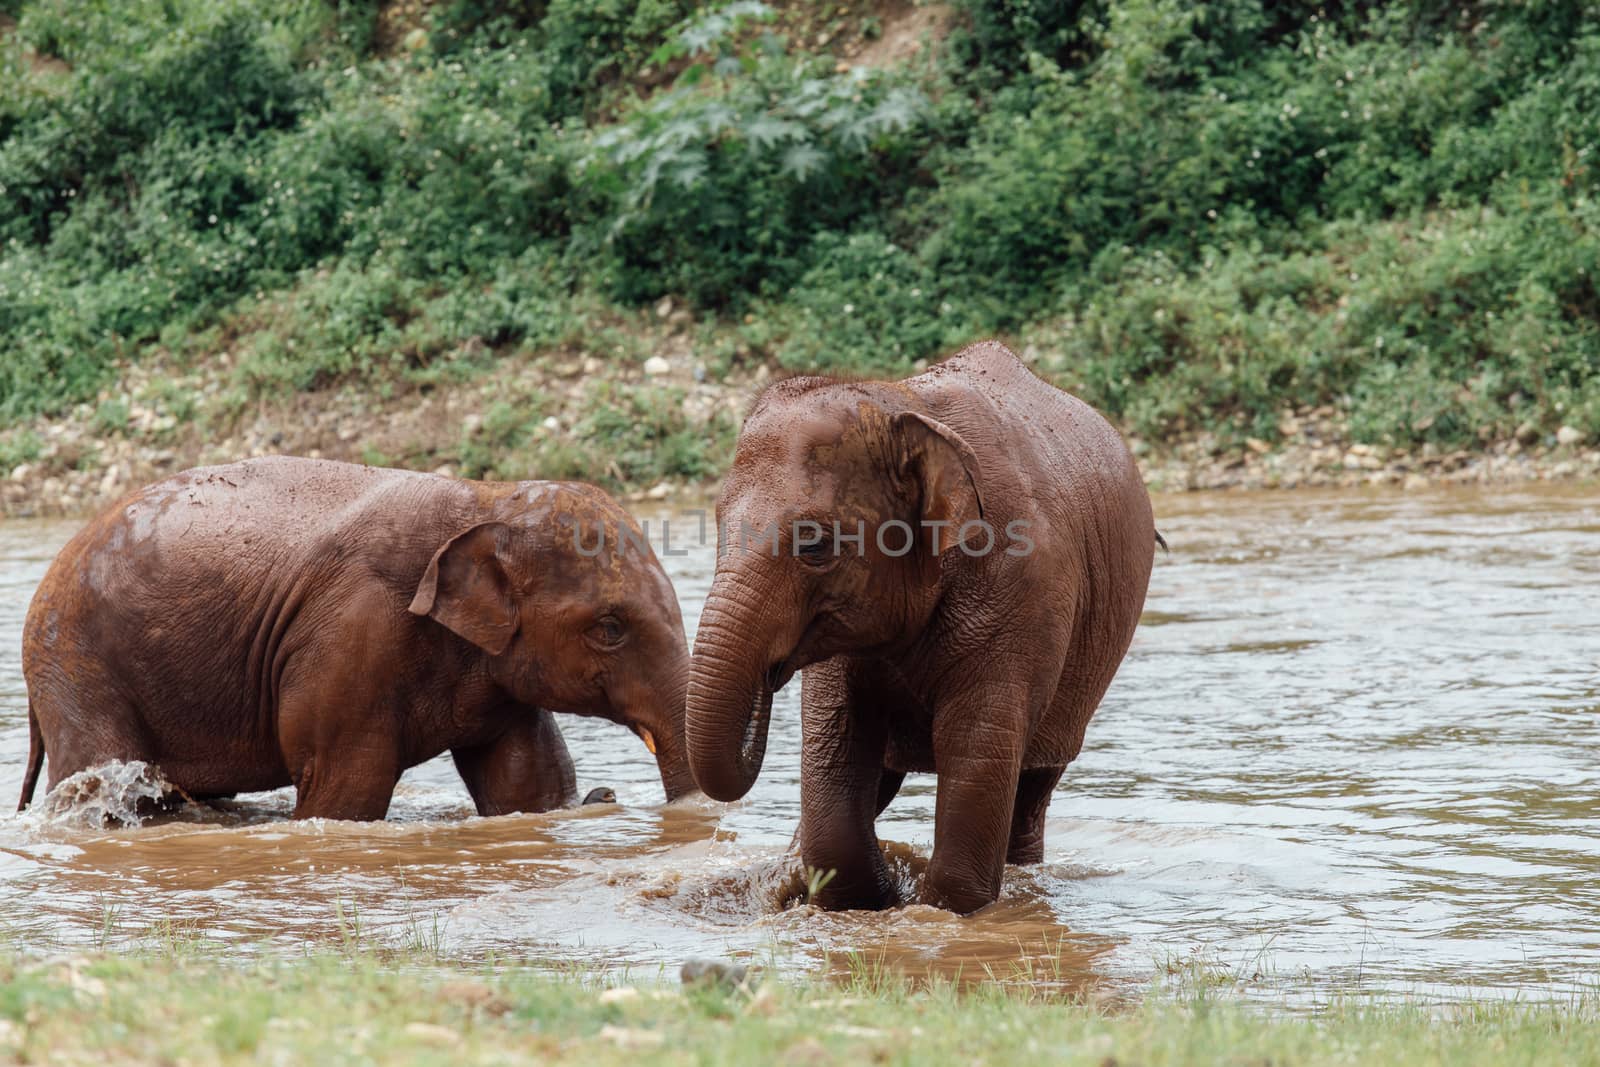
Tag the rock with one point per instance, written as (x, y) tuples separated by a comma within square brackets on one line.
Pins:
[(592, 365), (1569, 435), (716, 973), (621, 994), (113, 477), (808, 1052), (660, 491), (20, 472), (551, 424), (445, 470), (1414, 482), (655, 366), (664, 307), (432, 1034), (625, 1037), (475, 995), (470, 424), (1258, 446)]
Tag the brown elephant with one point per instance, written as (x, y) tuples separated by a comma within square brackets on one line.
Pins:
[(958, 560), (327, 625)]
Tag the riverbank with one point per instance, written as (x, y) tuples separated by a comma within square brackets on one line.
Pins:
[(651, 419), (191, 1006)]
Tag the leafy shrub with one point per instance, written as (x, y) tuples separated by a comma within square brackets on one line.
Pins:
[(719, 185), (1453, 329), (1200, 213), (868, 306)]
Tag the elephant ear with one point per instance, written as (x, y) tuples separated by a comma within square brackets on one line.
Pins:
[(944, 467), (467, 589)]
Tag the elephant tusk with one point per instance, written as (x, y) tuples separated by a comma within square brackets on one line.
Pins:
[(649, 740)]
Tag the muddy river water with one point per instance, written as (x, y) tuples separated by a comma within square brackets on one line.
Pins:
[(1356, 743)]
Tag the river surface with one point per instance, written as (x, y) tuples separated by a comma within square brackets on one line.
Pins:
[(1356, 744)]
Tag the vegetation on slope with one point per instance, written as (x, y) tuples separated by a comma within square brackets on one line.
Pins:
[(1198, 216)]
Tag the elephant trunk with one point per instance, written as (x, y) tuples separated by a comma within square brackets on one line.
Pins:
[(730, 697), (672, 753)]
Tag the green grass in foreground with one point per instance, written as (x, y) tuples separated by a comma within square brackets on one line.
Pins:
[(192, 1007)]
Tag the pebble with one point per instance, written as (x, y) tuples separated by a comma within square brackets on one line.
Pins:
[(717, 973), (625, 1037), (432, 1034), (1569, 435), (655, 366)]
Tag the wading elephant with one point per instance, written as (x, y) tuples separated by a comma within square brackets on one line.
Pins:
[(958, 561), (327, 625)]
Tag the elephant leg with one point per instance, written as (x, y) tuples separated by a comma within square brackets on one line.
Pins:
[(979, 736), (343, 756), (888, 787), (1034, 787), (525, 769), (328, 788), (842, 779)]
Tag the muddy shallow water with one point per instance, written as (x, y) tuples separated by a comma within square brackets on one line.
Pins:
[(1356, 742)]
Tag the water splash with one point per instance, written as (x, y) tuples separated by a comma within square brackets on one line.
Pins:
[(117, 793)]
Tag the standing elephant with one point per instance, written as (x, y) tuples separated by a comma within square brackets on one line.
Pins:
[(958, 560), (327, 625)]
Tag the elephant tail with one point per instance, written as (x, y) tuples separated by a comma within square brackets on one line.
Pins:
[(35, 759), (1162, 541)]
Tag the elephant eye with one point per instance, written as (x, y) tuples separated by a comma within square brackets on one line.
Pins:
[(608, 630), (817, 554)]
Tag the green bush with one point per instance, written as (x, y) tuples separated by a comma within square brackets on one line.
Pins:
[(719, 185), (1454, 328), (867, 306), (1201, 213)]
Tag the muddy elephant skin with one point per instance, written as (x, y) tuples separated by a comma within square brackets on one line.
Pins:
[(958, 560), (327, 625)]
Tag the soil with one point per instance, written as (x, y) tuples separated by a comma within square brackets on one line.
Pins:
[(79, 465)]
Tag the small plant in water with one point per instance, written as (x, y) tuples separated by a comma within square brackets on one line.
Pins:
[(816, 880)]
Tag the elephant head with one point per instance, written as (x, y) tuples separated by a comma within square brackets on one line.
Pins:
[(840, 504), (561, 592)]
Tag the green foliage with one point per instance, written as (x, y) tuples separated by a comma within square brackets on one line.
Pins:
[(623, 434), (19, 446), (868, 306), (1455, 328), (719, 184), (1202, 213)]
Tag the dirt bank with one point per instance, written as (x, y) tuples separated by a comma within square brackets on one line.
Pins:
[(159, 418)]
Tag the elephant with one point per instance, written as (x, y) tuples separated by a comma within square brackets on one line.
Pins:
[(957, 562), (284, 621)]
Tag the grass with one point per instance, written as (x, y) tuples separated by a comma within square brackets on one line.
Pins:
[(183, 1002)]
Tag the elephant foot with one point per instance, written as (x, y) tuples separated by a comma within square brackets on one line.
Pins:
[(1026, 853)]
